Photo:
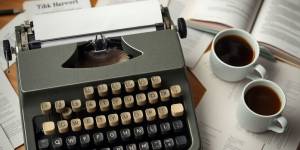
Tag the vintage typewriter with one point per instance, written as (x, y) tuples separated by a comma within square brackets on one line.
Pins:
[(113, 91)]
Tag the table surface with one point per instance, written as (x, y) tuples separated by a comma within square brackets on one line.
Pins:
[(197, 89)]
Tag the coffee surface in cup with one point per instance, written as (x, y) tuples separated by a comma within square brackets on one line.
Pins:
[(234, 50), (262, 100)]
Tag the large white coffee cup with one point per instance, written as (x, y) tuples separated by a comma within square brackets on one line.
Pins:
[(228, 72), (255, 122)]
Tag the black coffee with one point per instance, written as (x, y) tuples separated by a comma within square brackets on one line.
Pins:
[(263, 100), (234, 50)]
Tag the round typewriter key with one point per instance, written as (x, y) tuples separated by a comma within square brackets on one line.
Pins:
[(67, 113), (156, 81), (125, 118), (143, 84), (46, 107), (116, 103), (153, 97), (129, 86), (164, 95), (175, 91), (76, 105), (101, 121), (60, 106), (88, 123), (116, 88), (177, 110), (63, 126), (129, 101), (150, 114), (48, 128), (88, 92), (102, 90), (141, 99), (162, 112), (104, 105), (113, 120), (76, 125), (91, 106), (138, 116)]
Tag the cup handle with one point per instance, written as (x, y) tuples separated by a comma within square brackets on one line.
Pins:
[(260, 70), (280, 121)]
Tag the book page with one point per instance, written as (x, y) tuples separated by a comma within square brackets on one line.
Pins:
[(233, 13), (278, 25), (10, 116), (217, 110)]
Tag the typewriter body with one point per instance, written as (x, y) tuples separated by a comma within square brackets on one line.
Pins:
[(71, 100)]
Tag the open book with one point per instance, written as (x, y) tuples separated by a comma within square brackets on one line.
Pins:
[(274, 23)]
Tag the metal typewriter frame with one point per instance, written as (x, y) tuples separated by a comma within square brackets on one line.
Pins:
[(30, 67)]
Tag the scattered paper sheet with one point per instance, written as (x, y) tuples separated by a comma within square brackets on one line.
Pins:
[(10, 116), (8, 33), (196, 42), (216, 112), (50, 6), (4, 142)]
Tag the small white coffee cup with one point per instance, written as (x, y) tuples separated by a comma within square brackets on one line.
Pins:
[(255, 122), (229, 72)]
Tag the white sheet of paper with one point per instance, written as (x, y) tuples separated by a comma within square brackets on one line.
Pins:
[(4, 142), (10, 116), (8, 32), (216, 112), (111, 2), (95, 20), (51, 6)]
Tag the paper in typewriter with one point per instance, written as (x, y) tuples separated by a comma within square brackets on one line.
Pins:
[(216, 112), (96, 20), (10, 118)]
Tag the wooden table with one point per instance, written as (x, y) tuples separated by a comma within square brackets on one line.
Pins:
[(197, 89)]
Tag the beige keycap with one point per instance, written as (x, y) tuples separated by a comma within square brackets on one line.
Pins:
[(177, 110), (101, 121), (88, 92), (48, 128), (116, 103), (46, 107), (129, 101), (164, 95), (104, 105), (152, 97), (102, 90), (76, 105), (91, 106), (116, 88), (138, 116), (141, 99), (113, 120), (60, 106), (88, 123), (143, 84), (162, 112), (63, 126), (156, 81), (67, 113), (150, 114), (129, 86), (125, 118), (175, 91), (76, 125)]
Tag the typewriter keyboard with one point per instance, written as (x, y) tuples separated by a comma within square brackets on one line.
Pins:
[(141, 114)]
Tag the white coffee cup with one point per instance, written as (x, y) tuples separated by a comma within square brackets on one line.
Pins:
[(255, 122), (228, 72)]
